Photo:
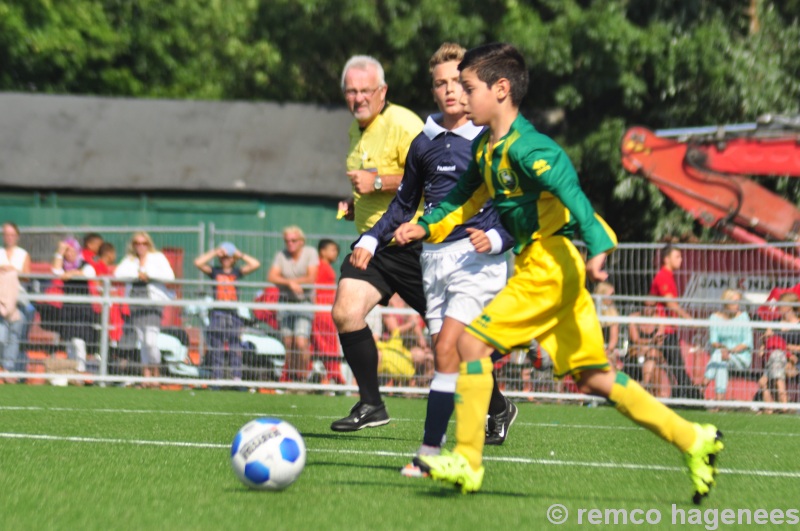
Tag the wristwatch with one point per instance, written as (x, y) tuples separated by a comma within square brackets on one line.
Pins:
[(378, 183)]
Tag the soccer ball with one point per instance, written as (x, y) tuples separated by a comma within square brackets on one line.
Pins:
[(268, 454)]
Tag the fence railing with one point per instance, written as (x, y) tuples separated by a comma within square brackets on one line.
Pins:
[(191, 342), (707, 268), (108, 337)]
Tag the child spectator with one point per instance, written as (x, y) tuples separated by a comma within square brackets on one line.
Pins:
[(77, 321), (325, 337), (106, 258), (780, 350), (91, 247), (225, 325), (404, 351), (645, 353), (605, 307)]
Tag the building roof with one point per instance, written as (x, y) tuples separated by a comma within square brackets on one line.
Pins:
[(91, 143)]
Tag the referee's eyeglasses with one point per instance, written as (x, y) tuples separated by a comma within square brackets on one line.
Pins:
[(352, 93)]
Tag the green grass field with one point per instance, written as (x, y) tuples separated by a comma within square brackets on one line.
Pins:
[(94, 458)]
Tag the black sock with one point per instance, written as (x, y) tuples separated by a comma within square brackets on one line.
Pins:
[(440, 409), (361, 354), (497, 404)]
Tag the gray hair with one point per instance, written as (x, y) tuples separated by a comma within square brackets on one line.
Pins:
[(362, 62)]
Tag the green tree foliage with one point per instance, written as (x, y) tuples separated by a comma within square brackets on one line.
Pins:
[(596, 66)]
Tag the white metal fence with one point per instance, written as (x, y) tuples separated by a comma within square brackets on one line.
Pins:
[(94, 338), (96, 333), (707, 268)]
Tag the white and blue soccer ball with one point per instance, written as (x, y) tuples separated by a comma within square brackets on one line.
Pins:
[(268, 454)]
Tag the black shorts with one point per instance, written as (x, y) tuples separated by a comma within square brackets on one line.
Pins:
[(393, 269)]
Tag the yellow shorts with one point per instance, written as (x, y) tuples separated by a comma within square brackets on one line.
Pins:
[(546, 299)]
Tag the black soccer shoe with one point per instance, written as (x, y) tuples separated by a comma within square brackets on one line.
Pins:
[(362, 416), (497, 426)]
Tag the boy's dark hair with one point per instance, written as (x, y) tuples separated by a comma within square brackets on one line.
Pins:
[(325, 242), (666, 251), (497, 60), (104, 248), (91, 236)]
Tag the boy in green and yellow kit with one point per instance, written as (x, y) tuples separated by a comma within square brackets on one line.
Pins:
[(535, 189)]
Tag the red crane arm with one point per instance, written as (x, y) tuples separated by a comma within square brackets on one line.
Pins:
[(711, 198), (750, 156)]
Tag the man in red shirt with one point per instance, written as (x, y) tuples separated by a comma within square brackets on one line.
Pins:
[(664, 286)]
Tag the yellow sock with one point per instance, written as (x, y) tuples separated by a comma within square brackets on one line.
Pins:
[(473, 391), (641, 407)]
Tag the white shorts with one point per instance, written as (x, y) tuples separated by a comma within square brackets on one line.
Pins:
[(458, 281)]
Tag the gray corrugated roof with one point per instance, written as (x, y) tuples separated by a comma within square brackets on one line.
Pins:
[(90, 143)]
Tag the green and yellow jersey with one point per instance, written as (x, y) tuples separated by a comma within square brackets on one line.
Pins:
[(382, 147), (533, 186)]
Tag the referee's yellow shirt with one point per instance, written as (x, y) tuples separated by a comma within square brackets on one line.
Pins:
[(381, 147)]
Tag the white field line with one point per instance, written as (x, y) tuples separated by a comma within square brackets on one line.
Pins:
[(382, 453), (254, 414)]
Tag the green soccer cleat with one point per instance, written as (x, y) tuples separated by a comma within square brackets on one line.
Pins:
[(701, 459), (454, 468)]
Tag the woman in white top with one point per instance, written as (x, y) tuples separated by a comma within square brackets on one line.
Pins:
[(11, 255), (146, 269), (12, 332)]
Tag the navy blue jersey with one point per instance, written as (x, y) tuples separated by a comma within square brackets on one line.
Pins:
[(435, 161)]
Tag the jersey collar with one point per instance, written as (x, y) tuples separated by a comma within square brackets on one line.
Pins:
[(432, 128)]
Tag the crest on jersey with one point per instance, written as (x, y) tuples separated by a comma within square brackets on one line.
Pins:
[(507, 179)]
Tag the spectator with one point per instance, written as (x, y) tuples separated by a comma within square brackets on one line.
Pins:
[(404, 352), (410, 327), (106, 258), (12, 255), (664, 286), (91, 247), (325, 339), (647, 341), (10, 320), (14, 331), (104, 267), (733, 345), (77, 321), (780, 350), (146, 269), (225, 325), (295, 265), (603, 292)]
